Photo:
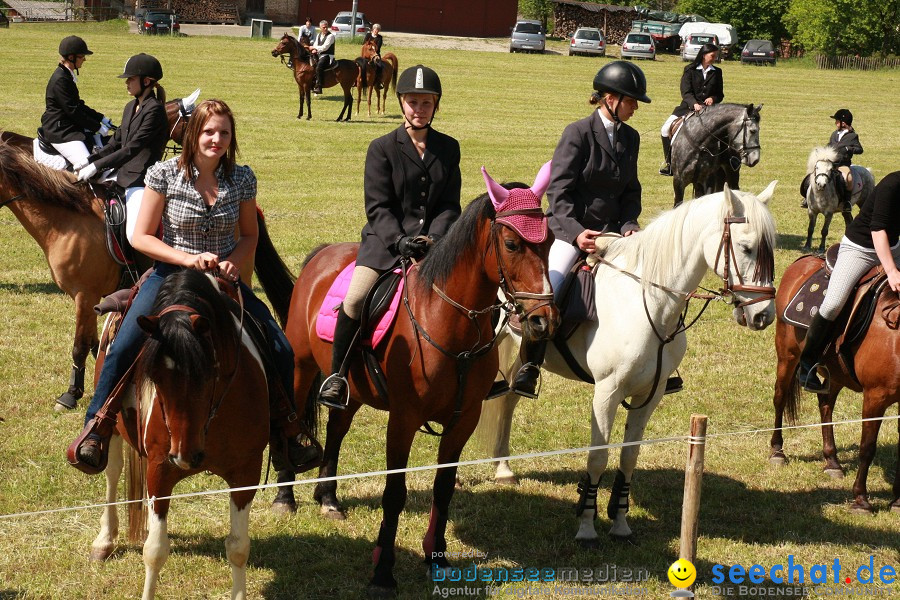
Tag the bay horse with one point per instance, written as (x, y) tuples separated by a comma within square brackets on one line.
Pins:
[(370, 78), (344, 72), (439, 359), (642, 288), (200, 403), (711, 145), (876, 375), (823, 196), (66, 220)]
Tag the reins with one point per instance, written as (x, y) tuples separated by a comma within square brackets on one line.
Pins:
[(742, 152), (11, 200)]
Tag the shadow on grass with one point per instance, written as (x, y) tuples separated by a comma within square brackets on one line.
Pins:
[(31, 288), (11, 594)]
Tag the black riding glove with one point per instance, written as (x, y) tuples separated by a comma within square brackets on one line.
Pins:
[(411, 247)]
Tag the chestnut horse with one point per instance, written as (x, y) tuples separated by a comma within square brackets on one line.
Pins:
[(439, 358), (876, 358), (344, 72), (372, 79), (200, 403)]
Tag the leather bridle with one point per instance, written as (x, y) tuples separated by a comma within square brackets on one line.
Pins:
[(765, 268)]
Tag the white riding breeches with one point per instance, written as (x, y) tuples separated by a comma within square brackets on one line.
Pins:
[(562, 256), (133, 197), (664, 131), (75, 152)]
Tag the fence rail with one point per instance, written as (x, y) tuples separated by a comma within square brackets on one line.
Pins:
[(860, 63)]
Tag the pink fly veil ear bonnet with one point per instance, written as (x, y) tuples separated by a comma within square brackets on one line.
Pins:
[(520, 208)]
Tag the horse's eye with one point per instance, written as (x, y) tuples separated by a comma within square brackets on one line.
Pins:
[(746, 249), (511, 245)]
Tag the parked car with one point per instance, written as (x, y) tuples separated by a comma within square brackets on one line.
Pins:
[(758, 52), (527, 36), (340, 26), (587, 40), (159, 22), (695, 41), (638, 45)]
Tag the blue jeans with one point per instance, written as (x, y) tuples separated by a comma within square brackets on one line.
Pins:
[(130, 338)]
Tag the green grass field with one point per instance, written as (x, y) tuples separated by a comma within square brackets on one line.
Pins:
[(507, 111)]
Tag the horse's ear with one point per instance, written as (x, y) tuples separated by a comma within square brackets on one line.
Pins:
[(768, 193), (729, 199), (150, 324), (756, 110), (497, 192), (542, 180), (200, 324)]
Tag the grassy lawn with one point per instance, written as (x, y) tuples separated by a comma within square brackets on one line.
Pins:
[(508, 111)]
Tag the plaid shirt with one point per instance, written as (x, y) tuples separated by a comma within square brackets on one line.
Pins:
[(188, 223)]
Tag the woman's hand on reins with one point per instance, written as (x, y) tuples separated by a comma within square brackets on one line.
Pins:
[(585, 240), (205, 261), (229, 271)]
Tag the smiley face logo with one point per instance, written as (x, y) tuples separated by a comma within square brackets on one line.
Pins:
[(682, 573)]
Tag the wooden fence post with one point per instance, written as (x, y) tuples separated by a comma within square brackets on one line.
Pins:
[(693, 478)]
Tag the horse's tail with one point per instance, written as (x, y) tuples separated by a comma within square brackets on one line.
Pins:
[(136, 492), (792, 401), (395, 64), (275, 278), (311, 407), (362, 82)]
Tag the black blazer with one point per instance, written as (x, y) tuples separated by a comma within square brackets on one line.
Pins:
[(406, 194), (592, 186), (378, 41), (846, 147), (67, 116), (137, 144), (695, 89)]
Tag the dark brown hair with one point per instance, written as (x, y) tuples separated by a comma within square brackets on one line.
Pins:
[(195, 126)]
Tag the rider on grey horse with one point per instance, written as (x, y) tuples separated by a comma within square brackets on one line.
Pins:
[(845, 140)]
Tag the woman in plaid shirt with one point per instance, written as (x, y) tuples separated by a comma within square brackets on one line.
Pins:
[(200, 197)]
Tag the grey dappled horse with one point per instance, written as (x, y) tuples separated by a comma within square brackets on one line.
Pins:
[(711, 145)]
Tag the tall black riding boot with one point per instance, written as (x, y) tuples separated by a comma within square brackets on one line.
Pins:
[(334, 391), (526, 380), (667, 152), (804, 187), (816, 339), (846, 196)]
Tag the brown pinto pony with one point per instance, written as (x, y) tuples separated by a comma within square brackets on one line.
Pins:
[(369, 77), (344, 72), (877, 366), (67, 222), (209, 414), (439, 360)]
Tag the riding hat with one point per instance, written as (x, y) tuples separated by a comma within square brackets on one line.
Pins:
[(622, 77), (142, 65), (842, 114), (73, 45), (419, 80)]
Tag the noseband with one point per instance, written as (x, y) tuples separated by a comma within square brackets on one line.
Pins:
[(764, 269)]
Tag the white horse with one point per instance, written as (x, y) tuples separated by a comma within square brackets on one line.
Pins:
[(822, 194), (729, 232)]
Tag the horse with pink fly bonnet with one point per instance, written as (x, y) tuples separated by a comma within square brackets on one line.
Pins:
[(438, 359)]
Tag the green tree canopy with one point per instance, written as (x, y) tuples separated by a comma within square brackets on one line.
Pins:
[(845, 27), (753, 19)]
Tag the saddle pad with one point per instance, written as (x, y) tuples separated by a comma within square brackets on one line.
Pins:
[(805, 303), (327, 319), (55, 162), (857, 178)]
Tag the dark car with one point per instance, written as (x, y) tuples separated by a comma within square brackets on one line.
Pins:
[(158, 22), (758, 52)]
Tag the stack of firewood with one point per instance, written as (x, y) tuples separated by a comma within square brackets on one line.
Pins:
[(206, 11), (616, 20)]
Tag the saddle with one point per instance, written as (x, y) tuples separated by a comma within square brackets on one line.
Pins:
[(675, 127), (45, 154), (113, 198), (854, 321)]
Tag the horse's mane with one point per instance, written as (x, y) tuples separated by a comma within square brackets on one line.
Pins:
[(658, 250), (820, 153), (442, 258), (175, 339), (41, 183)]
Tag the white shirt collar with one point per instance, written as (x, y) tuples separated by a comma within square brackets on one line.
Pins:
[(706, 70), (74, 75), (608, 124)]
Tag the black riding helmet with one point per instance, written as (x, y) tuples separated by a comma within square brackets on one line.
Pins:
[(73, 45), (419, 80), (625, 78), (142, 65), (843, 115)]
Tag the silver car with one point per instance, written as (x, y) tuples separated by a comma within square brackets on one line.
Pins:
[(638, 45), (695, 41), (340, 27), (587, 40), (527, 36)]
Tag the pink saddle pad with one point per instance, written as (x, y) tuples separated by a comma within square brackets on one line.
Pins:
[(327, 319)]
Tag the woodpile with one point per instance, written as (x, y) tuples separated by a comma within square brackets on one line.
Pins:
[(614, 21), (199, 11)]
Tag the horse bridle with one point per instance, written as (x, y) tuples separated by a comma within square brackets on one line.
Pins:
[(762, 271), (465, 358), (744, 149), (11, 200)]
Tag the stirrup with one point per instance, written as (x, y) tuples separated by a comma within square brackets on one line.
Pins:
[(674, 384), (330, 403), (538, 381), (498, 389), (818, 387), (90, 429)]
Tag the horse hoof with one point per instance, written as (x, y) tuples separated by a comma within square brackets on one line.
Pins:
[(778, 460), (102, 554), (588, 543), (834, 473), (895, 507), (65, 402), (377, 592), (507, 480), (861, 509), (283, 508), (332, 513)]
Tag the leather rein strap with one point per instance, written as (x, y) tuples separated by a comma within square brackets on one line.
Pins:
[(11, 200)]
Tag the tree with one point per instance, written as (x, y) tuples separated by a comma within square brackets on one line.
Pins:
[(753, 19), (841, 27)]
